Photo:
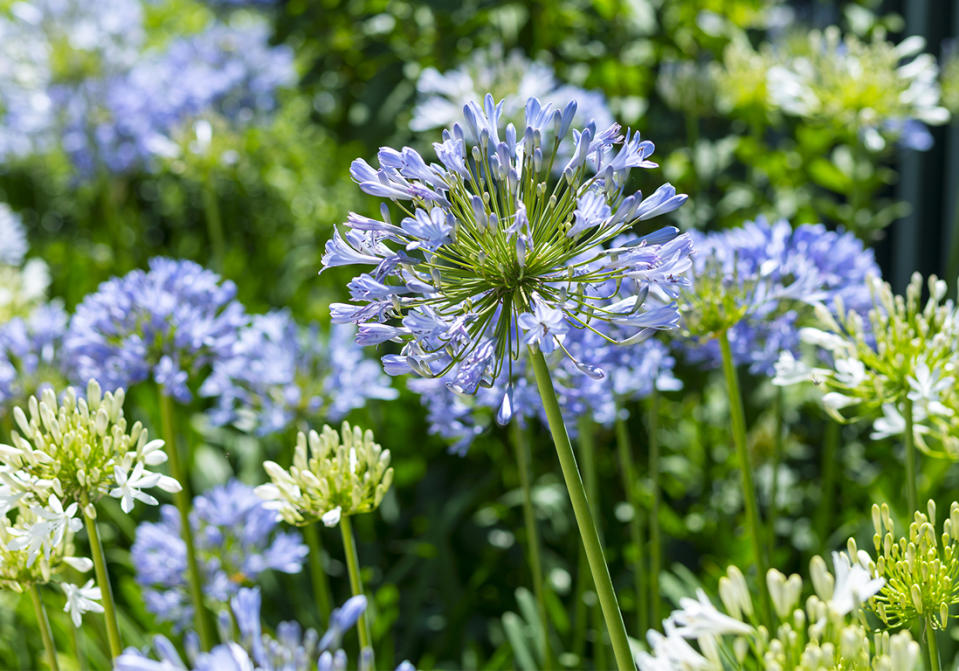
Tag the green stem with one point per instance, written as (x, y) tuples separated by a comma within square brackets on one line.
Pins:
[(627, 468), (77, 651), (655, 537), (830, 450), (182, 500), (103, 582), (521, 450), (777, 460), (214, 225), (48, 647), (584, 519), (321, 587), (911, 496), (931, 646), (587, 455), (738, 421), (356, 582)]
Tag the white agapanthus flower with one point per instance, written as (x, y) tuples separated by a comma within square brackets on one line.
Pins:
[(699, 617), (854, 585), (130, 485), (81, 600)]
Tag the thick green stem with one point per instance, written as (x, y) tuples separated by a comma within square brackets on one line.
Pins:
[(214, 226), (521, 451), (911, 496), (321, 587), (777, 460), (48, 647), (655, 537), (931, 646), (103, 582), (356, 582), (587, 455), (738, 421), (182, 500), (829, 469), (627, 468), (584, 518)]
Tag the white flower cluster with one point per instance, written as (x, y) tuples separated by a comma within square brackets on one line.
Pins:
[(64, 457), (828, 633), (902, 361), (342, 474)]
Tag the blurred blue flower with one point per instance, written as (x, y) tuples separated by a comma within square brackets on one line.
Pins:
[(237, 539), (31, 355), (227, 70), (787, 271), (280, 373), (292, 649), (167, 324), (512, 78), (13, 239)]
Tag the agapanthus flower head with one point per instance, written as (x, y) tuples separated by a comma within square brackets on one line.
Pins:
[(817, 634), (904, 354), (228, 70), (759, 283), (236, 539), (167, 324), (496, 254), (887, 90), (78, 450), (512, 78), (36, 545), (31, 355), (280, 374), (333, 474), (292, 648), (919, 571)]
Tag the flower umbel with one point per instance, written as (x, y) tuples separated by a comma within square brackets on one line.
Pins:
[(341, 474), (489, 235)]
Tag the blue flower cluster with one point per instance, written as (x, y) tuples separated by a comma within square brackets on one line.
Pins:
[(280, 373), (121, 110), (166, 324), (292, 649), (492, 258), (786, 271), (31, 355), (236, 540)]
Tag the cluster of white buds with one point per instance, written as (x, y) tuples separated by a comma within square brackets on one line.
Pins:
[(900, 363), (79, 450), (828, 631), (342, 474), (920, 571)]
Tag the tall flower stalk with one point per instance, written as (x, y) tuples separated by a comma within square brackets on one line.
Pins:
[(738, 422), (499, 251), (522, 456), (49, 649), (182, 500)]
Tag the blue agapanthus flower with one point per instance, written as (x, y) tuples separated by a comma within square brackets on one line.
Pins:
[(226, 70), (280, 373), (291, 649), (13, 239), (497, 253), (31, 355), (786, 270), (237, 539), (167, 324)]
